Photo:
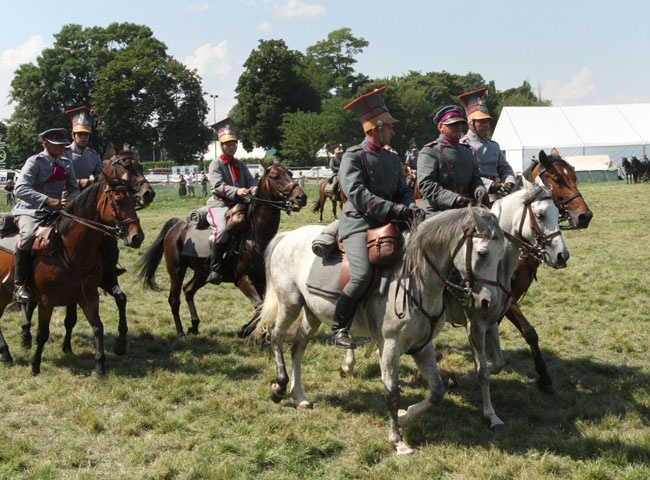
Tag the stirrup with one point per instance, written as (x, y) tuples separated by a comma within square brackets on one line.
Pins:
[(22, 294), (341, 339), (214, 277)]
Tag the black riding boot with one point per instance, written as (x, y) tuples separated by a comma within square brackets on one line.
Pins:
[(218, 249), (21, 269), (343, 315)]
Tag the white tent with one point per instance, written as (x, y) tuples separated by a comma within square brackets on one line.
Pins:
[(615, 130)]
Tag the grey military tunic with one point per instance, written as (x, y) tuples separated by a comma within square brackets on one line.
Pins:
[(224, 194), (85, 163), (41, 177), (446, 171), (371, 178), (492, 165)]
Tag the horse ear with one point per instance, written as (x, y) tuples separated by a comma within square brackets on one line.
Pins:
[(113, 149), (544, 159), (265, 165), (475, 218)]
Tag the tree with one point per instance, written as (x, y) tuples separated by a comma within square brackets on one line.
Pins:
[(140, 93), (272, 85), (330, 63), (302, 137)]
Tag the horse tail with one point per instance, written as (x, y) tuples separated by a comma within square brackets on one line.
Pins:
[(269, 311), (148, 263), (317, 206)]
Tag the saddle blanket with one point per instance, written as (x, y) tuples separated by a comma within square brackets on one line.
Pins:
[(8, 243), (325, 277), (197, 242)]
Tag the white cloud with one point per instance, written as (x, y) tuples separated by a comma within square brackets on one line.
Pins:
[(10, 60), (198, 7), (580, 87), (292, 9), (211, 61), (265, 26)]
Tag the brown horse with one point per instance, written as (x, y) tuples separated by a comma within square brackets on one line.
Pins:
[(125, 166), (558, 174), (73, 272), (412, 182), (323, 195), (276, 192)]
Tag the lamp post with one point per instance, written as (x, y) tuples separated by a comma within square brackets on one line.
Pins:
[(214, 113)]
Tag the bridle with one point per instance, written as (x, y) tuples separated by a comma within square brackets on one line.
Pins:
[(537, 251), (560, 204), (135, 179), (285, 194)]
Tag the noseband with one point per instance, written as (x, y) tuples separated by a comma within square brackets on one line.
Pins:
[(560, 204)]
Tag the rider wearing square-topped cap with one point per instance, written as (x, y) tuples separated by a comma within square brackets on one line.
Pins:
[(448, 176), (86, 161), (46, 183), (496, 172), (232, 182), (371, 178)]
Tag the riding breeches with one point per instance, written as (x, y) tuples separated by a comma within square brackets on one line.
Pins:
[(217, 220), (27, 228), (361, 272)]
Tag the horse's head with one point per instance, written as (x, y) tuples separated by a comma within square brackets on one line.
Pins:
[(277, 184), (118, 208), (125, 166), (530, 218), (559, 175), (466, 243)]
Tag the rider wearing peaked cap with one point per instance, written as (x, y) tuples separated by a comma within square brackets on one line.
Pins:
[(448, 176), (40, 189)]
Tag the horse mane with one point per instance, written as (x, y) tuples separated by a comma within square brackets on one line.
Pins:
[(80, 205), (435, 235)]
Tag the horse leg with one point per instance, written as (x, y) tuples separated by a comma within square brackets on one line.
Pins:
[(427, 363), (246, 285), (306, 331), (122, 327), (284, 318), (42, 335), (348, 364), (5, 356), (26, 312), (91, 310), (69, 322), (476, 332), (389, 352), (190, 289), (249, 327), (174, 298), (493, 347), (334, 207), (517, 318)]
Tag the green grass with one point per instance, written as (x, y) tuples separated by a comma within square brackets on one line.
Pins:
[(199, 408)]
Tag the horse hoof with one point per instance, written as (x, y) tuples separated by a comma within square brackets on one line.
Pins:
[(546, 387), (402, 448), (304, 405), (498, 427), (35, 372), (67, 348), (6, 360), (120, 347), (95, 375), (276, 393), (26, 342), (193, 331)]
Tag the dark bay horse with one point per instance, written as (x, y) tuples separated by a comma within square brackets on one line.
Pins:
[(72, 274), (323, 196), (559, 175), (124, 166), (627, 169), (277, 192)]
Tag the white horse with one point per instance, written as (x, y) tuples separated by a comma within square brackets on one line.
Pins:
[(530, 222), (468, 241)]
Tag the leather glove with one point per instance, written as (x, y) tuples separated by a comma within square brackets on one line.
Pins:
[(461, 201), (482, 198), (495, 187), (399, 212), (508, 187)]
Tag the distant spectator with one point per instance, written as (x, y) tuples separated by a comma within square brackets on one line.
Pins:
[(204, 184), (9, 188), (182, 186), (190, 183), (301, 179)]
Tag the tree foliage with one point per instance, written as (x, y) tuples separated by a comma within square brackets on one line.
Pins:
[(140, 93), (272, 85)]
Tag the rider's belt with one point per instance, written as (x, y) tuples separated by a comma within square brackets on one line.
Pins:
[(490, 177)]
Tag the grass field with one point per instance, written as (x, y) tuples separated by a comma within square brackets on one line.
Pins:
[(199, 408)]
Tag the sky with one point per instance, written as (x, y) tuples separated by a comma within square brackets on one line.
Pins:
[(576, 52)]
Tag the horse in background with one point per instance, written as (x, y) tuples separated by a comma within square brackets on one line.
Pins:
[(277, 192), (334, 195), (640, 169), (627, 170)]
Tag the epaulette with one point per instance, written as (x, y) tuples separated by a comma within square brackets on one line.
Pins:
[(431, 144), (465, 145), (354, 148)]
